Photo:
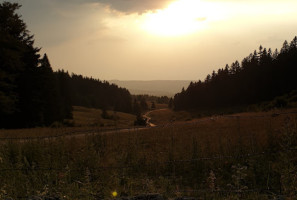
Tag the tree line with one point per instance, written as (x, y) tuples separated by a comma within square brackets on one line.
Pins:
[(152, 98), (31, 93), (94, 93), (261, 76)]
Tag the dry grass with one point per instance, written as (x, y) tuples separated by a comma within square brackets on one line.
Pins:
[(142, 157), (92, 117), (164, 116), (215, 135), (85, 120), (46, 132), (161, 106)]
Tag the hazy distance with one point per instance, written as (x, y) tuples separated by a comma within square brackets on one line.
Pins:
[(155, 87)]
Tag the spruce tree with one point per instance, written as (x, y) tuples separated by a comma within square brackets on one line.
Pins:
[(18, 63)]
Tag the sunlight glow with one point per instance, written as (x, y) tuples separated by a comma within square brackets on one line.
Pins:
[(181, 17)]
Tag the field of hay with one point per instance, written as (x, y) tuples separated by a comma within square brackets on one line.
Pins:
[(240, 156), (92, 117), (85, 120), (164, 116)]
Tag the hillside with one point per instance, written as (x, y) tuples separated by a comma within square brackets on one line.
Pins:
[(154, 87), (67, 136), (242, 156), (261, 76), (91, 117)]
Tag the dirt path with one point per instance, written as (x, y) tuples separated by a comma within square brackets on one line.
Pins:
[(83, 133), (76, 134), (148, 119)]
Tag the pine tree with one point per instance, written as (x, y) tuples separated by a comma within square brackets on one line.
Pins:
[(262, 76), (136, 108), (48, 93), (285, 47), (143, 104), (18, 63), (170, 104), (153, 106)]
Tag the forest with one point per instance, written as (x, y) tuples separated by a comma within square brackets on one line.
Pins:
[(168, 153), (31, 93), (261, 76)]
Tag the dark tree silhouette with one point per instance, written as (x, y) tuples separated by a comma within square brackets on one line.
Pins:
[(136, 107), (90, 92), (54, 105), (31, 94), (18, 65), (170, 103), (153, 106), (157, 99), (143, 104), (261, 76)]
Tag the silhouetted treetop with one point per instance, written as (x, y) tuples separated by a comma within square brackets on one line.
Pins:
[(31, 94), (260, 76), (91, 92)]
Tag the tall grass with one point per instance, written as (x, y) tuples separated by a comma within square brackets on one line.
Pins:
[(224, 158)]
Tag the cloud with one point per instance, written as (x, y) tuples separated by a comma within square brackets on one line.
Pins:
[(135, 6), (124, 6), (142, 6)]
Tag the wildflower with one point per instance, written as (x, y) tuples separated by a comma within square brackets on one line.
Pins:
[(114, 194)]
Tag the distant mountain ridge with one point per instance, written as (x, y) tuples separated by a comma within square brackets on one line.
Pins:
[(154, 87)]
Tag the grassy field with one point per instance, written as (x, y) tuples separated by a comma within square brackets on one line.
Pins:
[(84, 120), (161, 106), (240, 156), (164, 116), (92, 117)]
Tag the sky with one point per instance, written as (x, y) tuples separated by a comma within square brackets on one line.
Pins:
[(155, 39)]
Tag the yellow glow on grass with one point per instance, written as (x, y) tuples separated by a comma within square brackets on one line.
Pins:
[(114, 194)]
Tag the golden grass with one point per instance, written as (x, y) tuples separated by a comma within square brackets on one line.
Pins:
[(147, 152), (92, 117), (161, 106), (45, 132), (165, 115), (213, 130), (215, 135), (85, 120)]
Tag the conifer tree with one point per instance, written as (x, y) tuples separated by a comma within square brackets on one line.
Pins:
[(262, 76), (18, 63)]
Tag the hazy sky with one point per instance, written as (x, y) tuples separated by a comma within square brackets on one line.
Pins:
[(155, 39)]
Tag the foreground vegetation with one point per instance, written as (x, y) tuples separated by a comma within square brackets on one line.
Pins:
[(251, 156), (242, 156), (85, 120)]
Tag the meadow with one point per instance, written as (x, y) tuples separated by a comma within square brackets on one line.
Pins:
[(239, 156), (85, 120)]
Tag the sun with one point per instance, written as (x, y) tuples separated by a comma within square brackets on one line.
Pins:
[(179, 18)]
